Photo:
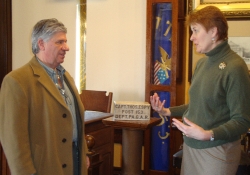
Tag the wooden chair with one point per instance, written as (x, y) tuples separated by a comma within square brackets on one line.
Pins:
[(96, 100), (99, 101)]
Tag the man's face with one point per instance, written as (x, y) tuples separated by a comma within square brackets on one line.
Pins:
[(55, 49)]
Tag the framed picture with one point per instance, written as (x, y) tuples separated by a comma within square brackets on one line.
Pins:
[(230, 8), (238, 32), (222, 1), (242, 47)]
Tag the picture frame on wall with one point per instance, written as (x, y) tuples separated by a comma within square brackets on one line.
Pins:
[(242, 47), (223, 1), (230, 8)]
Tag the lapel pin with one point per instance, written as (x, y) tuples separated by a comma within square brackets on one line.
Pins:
[(222, 65)]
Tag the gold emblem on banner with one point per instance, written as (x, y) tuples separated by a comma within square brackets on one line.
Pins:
[(163, 120), (165, 61)]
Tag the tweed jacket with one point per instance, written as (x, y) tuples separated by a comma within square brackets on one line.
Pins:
[(36, 127)]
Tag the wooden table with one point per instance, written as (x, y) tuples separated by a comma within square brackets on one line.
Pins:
[(132, 141), (100, 141), (92, 116)]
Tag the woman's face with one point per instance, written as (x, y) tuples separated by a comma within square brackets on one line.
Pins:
[(201, 38)]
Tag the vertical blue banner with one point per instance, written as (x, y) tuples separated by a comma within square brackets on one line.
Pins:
[(162, 43), (160, 146), (160, 141)]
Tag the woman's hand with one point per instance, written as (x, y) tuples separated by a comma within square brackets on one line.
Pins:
[(158, 106), (192, 130)]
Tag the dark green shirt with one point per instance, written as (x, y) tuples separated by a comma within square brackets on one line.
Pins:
[(219, 97)]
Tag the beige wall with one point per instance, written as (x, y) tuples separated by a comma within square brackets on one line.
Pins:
[(116, 36), (116, 43), (26, 13), (116, 48)]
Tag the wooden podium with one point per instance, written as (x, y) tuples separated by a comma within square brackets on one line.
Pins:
[(132, 141)]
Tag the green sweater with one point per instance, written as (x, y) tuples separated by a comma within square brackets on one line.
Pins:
[(219, 98)]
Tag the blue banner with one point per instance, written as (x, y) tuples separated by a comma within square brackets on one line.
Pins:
[(160, 141), (162, 43), (160, 145)]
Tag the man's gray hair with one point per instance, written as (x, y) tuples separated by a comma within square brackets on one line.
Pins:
[(44, 30)]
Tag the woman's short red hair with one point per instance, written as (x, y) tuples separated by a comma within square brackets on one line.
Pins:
[(210, 17)]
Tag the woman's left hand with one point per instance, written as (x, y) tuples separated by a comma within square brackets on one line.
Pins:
[(192, 130)]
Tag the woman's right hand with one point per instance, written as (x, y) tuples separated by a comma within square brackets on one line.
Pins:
[(158, 106)]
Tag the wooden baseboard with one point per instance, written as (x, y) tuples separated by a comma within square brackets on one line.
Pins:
[(118, 171)]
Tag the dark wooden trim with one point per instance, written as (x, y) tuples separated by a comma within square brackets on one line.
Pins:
[(177, 64), (4, 169), (5, 59), (190, 56), (118, 135), (5, 38)]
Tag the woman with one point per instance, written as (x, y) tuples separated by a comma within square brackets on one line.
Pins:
[(218, 111)]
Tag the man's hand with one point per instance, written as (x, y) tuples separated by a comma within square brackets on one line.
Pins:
[(87, 161)]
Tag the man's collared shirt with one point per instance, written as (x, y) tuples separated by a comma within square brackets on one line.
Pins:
[(64, 91)]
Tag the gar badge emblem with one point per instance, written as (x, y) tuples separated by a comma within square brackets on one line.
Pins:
[(222, 65)]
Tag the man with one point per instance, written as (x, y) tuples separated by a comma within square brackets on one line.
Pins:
[(41, 113)]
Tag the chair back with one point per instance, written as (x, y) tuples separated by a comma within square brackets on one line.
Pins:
[(96, 100)]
